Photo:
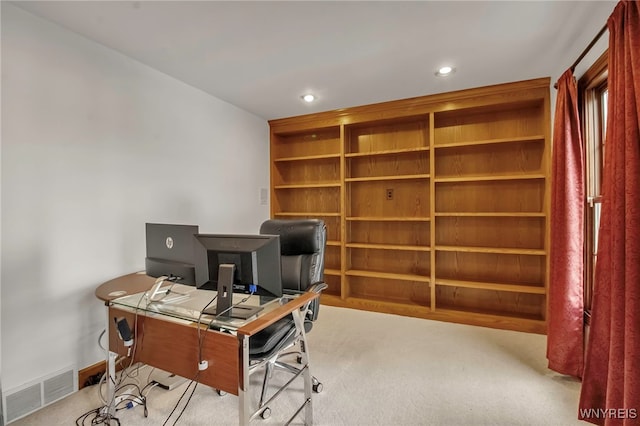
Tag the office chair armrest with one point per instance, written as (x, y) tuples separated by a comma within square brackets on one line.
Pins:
[(269, 318), (317, 287)]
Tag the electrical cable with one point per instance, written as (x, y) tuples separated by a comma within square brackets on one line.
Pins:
[(200, 334), (194, 382), (129, 397), (235, 305), (201, 337), (186, 404), (117, 381), (100, 339), (102, 414), (99, 417)]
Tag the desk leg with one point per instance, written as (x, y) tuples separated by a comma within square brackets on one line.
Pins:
[(110, 373), (244, 409), (111, 382)]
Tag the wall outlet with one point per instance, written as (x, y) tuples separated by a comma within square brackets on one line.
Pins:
[(389, 194)]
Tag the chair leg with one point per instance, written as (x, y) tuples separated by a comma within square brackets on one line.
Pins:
[(316, 385), (268, 371), (303, 358)]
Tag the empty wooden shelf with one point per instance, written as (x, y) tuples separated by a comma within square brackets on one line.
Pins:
[(436, 206)]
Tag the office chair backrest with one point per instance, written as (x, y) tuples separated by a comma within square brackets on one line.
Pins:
[(302, 247)]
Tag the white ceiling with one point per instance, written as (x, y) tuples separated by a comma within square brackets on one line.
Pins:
[(262, 56)]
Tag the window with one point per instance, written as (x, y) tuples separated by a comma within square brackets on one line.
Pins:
[(593, 92)]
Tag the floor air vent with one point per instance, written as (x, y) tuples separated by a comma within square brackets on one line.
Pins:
[(23, 402), (31, 397), (57, 387)]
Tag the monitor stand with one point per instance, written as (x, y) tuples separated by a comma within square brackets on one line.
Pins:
[(225, 297), (157, 292), (226, 272)]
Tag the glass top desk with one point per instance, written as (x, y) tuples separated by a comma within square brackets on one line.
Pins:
[(178, 339), (186, 303)]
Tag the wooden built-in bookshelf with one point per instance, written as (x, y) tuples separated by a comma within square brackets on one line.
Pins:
[(436, 206)]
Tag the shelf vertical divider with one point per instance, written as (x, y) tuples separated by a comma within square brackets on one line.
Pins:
[(272, 182), (432, 211), (344, 211)]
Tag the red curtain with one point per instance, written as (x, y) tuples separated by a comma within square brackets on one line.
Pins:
[(611, 383), (565, 316)]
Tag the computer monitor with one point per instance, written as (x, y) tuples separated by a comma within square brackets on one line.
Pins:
[(170, 251), (255, 260)]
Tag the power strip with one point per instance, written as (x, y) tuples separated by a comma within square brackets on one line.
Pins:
[(127, 394)]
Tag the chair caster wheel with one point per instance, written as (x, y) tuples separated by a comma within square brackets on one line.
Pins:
[(220, 392), (317, 388), (299, 359), (266, 413)]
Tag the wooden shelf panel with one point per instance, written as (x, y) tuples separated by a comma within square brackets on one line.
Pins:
[(308, 199), (387, 219), (388, 152), (490, 214), (307, 214), (312, 143), (378, 261), (493, 302), (385, 136), (515, 139), (410, 197), (309, 185), (401, 234), (387, 247), (498, 250), (387, 178), (479, 178), (530, 324), (321, 171), (408, 307), (329, 271), (389, 290), (473, 266), (522, 195), (335, 285), (410, 164), (521, 160), (387, 275), (501, 121), (516, 288), (308, 158), (334, 243), (520, 232), (332, 256)]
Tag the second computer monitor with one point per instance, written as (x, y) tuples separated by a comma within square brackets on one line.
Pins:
[(170, 251), (256, 259)]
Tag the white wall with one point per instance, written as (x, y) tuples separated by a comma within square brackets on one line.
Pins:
[(94, 145)]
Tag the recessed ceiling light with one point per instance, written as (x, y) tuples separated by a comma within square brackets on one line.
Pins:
[(444, 71), (308, 97)]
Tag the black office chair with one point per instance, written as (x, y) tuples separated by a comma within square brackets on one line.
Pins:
[(302, 247)]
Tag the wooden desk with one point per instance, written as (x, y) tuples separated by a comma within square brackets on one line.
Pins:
[(173, 346), (124, 285)]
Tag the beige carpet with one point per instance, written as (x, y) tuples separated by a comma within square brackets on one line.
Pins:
[(382, 369)]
